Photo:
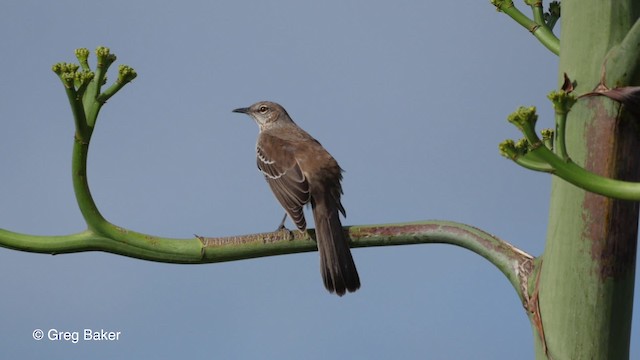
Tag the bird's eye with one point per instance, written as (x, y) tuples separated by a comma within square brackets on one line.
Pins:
[(263, 109)]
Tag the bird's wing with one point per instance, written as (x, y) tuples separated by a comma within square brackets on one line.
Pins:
[(276, 160)]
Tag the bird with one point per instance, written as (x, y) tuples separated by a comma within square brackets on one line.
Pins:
[(300, 171)]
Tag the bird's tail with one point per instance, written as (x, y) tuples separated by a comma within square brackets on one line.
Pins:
[(336, 263)]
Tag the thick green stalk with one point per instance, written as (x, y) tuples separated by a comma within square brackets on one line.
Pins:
[(587, 277)]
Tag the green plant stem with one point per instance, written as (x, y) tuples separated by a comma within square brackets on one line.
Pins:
[(540, 31), (548, 39), (149, 248), (571, 172), (532, 162), (82, 132), (543, 159), (538, 13), (515, 264), (90, 100), (90, 213), (560, 147), (110, 91)]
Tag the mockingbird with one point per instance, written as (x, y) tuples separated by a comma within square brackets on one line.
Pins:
[(300, 171)]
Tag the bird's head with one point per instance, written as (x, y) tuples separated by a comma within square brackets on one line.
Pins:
[(267, 114)]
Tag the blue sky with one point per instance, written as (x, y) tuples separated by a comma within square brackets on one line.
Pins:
[(411, 97)]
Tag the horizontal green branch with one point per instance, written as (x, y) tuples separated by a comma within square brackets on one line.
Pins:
[(137, 245), (515, 264)]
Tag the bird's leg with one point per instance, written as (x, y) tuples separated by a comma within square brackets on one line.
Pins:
[(281, 226)]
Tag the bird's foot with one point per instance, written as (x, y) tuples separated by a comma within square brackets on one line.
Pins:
[(281, 226)]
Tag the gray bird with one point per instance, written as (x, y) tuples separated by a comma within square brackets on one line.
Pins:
[(300, 171)]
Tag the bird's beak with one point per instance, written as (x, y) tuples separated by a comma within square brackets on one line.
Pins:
[(241, 110)]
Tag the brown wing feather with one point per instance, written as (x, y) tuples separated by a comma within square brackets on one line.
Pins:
[(284, 176)]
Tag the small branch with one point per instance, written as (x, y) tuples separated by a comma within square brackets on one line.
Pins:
[(559, 162), (548, 39), (569, 171), (105, 59), (91, 102), (125, 75), (67, 74), (83, 92), (539, 30), (537, 10), (562, 103), (561, 124), (520, 153)]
